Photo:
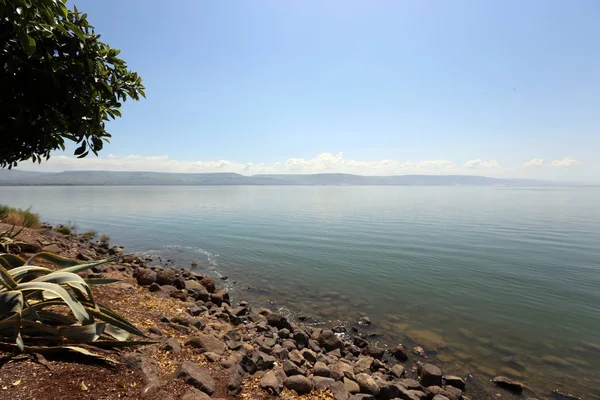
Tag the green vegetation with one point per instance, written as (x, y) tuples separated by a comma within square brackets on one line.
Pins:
[(65, 230), (19, 217), (44, 307), (59, 81), (105, 239)]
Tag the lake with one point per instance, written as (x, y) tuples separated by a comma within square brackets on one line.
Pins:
[(491, 280)]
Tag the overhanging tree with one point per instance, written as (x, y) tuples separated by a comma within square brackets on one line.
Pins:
[(58, 81)]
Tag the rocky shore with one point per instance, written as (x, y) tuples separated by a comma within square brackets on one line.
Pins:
[(208, 345)]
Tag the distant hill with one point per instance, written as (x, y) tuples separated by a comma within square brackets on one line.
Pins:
[(16, 177)]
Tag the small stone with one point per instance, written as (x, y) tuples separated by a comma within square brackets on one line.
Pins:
[(431, 375), (154, 287), (365, 321), (399, 352), (375, 352), (292, 369), (309, 355), (440, 397), (301, 384), (360, 342), (196, 376), (212, 357)]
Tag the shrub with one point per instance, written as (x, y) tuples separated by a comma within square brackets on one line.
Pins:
[(89, 235), (104, 238), (33, 301), (19, 217), (65, 230)]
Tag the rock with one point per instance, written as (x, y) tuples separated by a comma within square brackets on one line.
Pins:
[(375, 352), (296, 357), (278, 321), (262, 360), (388, 391), (181, 320), (361, 396), (329, 340), (208, 283), (234, 382), (301, 338), (301, 384), (271, 383), (280, 353), (431, 375), (200, 294), (433, 391), (367, 384), (155, 330), (284, 333), (440, 397), (248, 364), (351, 386), (365, 321), (321, 382), (399, 353), (418, 350), (171, 345), (320, 369), (196, 376), (212, 357), (53, 248), (360, 342), (410, 384), (292, 369), (194, 394), (166, 276), (510, 385), (154, 392), (363, 364), (146, 365), (145, 277), (180, 294), (206, 342), (398, 371), (455, 381), (452, 393), (339, 391), (309, 355), (219, 297), (406, 394), (194, 285), (154, 287), (179, 282)]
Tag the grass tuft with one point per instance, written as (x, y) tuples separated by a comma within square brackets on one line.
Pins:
[(19, 217)]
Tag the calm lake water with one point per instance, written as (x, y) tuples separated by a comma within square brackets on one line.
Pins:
[(490, 280)]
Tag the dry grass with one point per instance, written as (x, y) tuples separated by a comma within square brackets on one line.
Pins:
[(19, 217)]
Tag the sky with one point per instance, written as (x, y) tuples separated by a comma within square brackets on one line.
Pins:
[(494, 88)]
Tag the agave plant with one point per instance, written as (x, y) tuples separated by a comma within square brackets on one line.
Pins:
[(7, 239), (40, 306)]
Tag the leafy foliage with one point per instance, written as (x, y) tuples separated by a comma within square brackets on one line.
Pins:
[(57, 81), (39, 305)]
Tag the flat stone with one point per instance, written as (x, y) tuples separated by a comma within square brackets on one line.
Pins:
[(363, 364), (171, 345), (291, 369), (321, 382), (455, 381), (301, 384), (196, 376), (398, 370), (508, 384), (212, 357)]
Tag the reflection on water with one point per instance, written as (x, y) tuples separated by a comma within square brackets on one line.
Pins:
[(489, 280)]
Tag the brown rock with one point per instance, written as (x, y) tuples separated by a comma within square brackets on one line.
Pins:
[(196, 376), (431, 375), (508, 384), (207, 343)]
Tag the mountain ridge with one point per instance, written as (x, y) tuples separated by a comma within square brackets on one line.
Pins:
[(141, 178)]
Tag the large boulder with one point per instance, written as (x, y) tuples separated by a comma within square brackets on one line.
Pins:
[(431, 375), (271, 383), (145, 277), (196, 376), (208, 283), (367, 384), (193, 285), (329, 340), (166, 276), (301, 384), (206, 342)]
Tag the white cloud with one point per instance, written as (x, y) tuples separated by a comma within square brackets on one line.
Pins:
[(536, 162), (479, 164), (565, 162)]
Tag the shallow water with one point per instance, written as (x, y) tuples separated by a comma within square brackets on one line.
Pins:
[(490, 280)]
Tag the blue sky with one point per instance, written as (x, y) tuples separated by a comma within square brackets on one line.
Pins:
[(372, 87)]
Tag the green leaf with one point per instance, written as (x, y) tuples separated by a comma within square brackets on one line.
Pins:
[(27, 42), (52, 290), (61, 262)]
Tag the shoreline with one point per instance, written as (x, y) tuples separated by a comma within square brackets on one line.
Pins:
[(344, 358)]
